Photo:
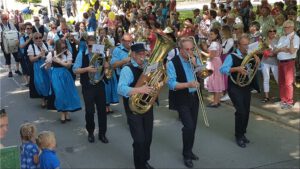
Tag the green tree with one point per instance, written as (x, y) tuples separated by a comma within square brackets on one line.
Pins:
[(30, 1)]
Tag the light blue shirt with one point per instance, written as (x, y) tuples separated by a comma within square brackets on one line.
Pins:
[(118, 54), (56, 38), (228, 62), (171, 72), (126, 78), (22, 41)]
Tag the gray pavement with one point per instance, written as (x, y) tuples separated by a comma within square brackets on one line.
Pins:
[(272, 145)]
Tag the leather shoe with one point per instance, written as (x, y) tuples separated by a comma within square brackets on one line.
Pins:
[(194, 157), (188, 163), (148, 166), (240, 142), (91, 138), (103, 139), (245, 139)]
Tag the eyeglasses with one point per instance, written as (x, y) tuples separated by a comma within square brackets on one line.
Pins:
[(39, 37), (287, 27), (53, 28), (28, 28), (36, 20), (189, 49), (90, 46), (272, 30)]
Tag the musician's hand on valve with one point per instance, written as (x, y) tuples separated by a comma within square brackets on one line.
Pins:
[(241, 70), (91, 69), (145, 89)]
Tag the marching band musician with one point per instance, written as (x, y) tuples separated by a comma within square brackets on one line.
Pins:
[(120, 54), (183, 85), (39, 82), (64, 34), (141, 125), (110, 84), (66, 95), (240, 96), (92, 94), (6, 26)]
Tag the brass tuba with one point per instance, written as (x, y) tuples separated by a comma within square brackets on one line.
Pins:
[(141, 103), (96, 61), (251, 66)]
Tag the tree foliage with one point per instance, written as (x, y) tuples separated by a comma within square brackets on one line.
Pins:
[(30, 1)]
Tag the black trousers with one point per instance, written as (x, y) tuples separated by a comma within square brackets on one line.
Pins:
[(240, 97), (95, 95), (188, 115), (141, 127), (7, 56)]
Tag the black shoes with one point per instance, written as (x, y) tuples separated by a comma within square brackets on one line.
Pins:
[(245, 139), (91, 138), (10, 74), (148, 166), (188, 163), (103, 139), (18, 72), (240, 142), (194, 157)]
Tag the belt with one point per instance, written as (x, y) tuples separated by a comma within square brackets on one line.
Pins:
[(287, 60)]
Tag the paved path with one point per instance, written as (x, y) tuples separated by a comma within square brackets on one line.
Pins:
[(272, 145)]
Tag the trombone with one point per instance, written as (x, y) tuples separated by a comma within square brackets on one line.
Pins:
[(203, 73)]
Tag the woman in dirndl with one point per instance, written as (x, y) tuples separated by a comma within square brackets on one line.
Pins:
[(66, 95), (39, 83)]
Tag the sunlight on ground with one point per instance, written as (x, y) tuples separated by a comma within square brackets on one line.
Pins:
[(43, 120), (296, 121), (277, 108), (296, 154), (80, 131), (259, 118), (19, 91)]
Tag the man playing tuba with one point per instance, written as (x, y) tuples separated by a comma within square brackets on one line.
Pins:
[(140, 125)]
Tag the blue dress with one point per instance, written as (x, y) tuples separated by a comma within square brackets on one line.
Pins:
[(41, 78), (66, 95), (111, 90), (28, 151)]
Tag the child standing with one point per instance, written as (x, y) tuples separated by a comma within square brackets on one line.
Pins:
[(48, 157), (29, 149)]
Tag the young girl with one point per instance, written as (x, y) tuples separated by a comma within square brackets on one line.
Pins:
[(48, 157), (29, 149)]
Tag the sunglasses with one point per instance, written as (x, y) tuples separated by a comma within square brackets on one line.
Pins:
[(272, 30), (90, 46), (39, 37), (53, 28), (36, 20), (28, 28)]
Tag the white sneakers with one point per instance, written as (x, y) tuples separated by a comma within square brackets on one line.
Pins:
[(225, 98)]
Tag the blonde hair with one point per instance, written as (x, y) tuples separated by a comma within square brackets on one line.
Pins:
[(46, 139), (28, 131), (183, 40)]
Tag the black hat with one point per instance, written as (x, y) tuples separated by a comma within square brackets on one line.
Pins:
[(138, 47)]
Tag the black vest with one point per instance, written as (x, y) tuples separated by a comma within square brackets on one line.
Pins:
[(236, 62), (178, 97), (136, 74), (84, 77)]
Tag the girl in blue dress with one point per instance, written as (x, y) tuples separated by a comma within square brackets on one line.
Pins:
[(66, 95), (29, 149)]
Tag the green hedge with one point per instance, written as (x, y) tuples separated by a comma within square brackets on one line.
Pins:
[(30, 1)]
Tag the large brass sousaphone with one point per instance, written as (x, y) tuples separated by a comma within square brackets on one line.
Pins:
[(141, 103)]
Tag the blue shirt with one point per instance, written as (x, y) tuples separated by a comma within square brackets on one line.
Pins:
[(171, 72), (48, 159), (22, 41), (56, 38), (126, 78), (228, 62), (118, 54), (28, 151)]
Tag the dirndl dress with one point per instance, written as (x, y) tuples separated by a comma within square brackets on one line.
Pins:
[(111, 90), (41, 78), (66, 95)]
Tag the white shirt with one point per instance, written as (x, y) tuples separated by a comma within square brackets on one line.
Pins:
[(227, 45), (284, 41), (172, 53), (37, 50)]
